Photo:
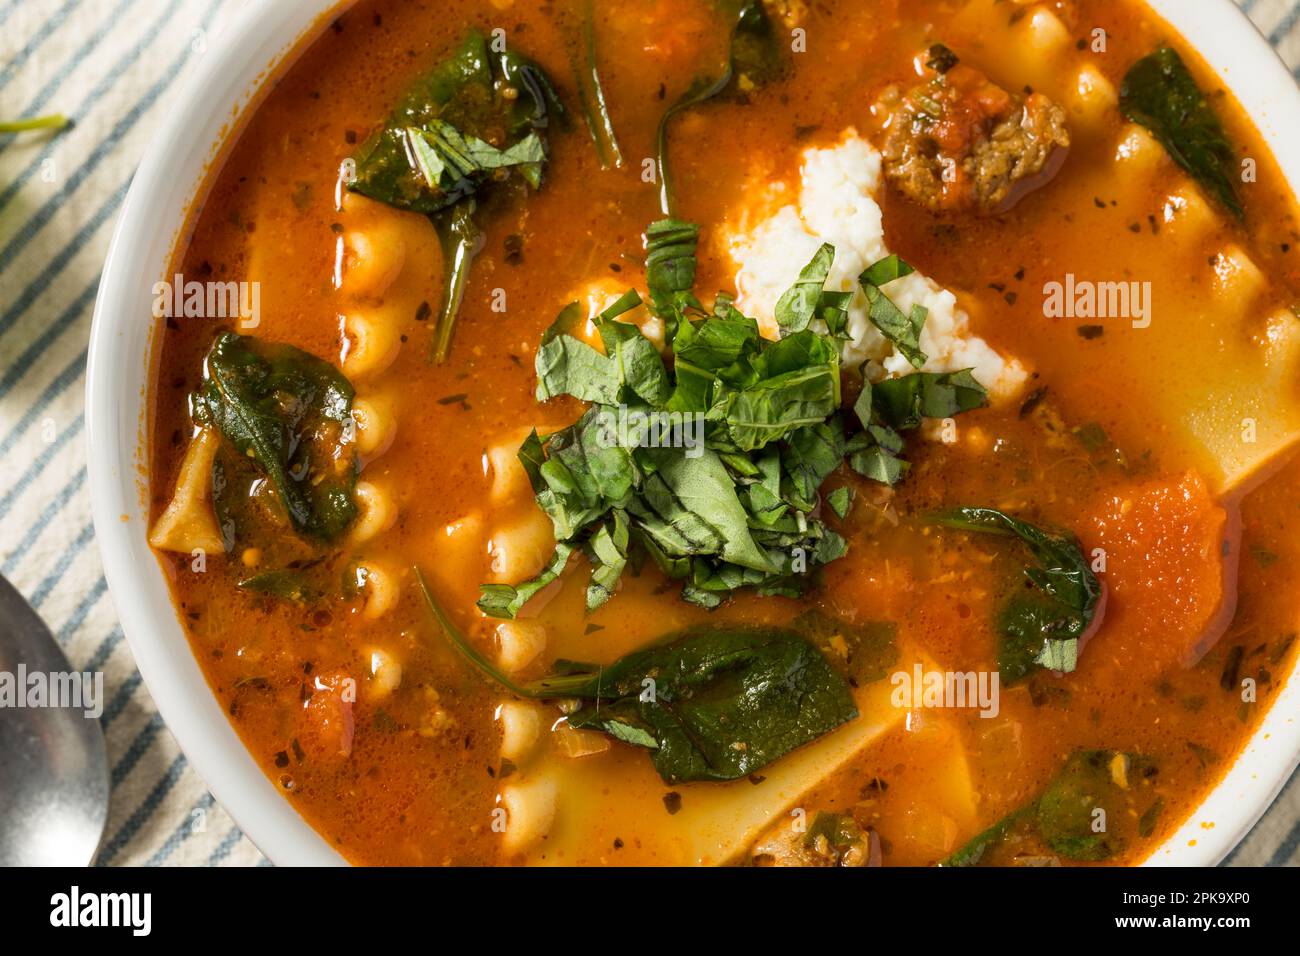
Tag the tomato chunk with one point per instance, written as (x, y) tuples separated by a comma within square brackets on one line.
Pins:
[(1170, 567)]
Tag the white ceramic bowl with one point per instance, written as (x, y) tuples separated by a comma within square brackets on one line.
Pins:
[(223, 84)]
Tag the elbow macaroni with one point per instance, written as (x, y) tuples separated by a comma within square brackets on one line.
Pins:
[(521, 729), (373, 259), (519, 644), (376, 425), (377, 512), (372, 343), (530, 806), (520, 550), (385, 673), (381, 588), (509, 480)]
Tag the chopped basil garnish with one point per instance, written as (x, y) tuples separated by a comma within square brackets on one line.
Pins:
[(712, 464)]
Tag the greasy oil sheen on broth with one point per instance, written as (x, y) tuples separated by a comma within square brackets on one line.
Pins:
[(424, 772)]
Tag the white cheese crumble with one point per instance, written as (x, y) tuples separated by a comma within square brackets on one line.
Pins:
[(837, 205)]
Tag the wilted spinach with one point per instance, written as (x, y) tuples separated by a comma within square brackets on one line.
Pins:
[(709, 704), (285, 584), (1040, 628), (753, 58), (1065, 816), (291, 413), (475, 121), (864, 652), (1160, 93), (592, 93)]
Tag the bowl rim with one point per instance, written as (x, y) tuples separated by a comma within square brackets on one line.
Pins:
[(167, 187)]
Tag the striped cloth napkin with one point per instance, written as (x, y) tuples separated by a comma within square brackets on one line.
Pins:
[(113, 66)]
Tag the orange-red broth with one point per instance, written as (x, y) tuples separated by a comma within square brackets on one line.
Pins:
[(423, 774)]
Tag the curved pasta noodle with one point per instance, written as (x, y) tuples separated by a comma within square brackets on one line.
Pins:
[(385, 673), (189, 523), (1044, 32), (519, 643), (457, 559), (372, 343), (520, 550), (1095, 99), (377, 512), (376, 425), (1188, 215), (574, 743), (373, 258), (390, 267), (530, 805), (381, 588), (521, 729), (509, 480), (1236, 276), (1140, 153)]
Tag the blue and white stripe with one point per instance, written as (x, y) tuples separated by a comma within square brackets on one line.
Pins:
[(113, 65)]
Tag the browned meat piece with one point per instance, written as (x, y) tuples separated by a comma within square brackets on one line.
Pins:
[(959, 142)]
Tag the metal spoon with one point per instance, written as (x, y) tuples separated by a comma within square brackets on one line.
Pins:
[(53, 768)]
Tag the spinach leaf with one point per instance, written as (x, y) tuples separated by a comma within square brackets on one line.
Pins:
[(864, 652), (798, 385), (580, 472), (468, 126), (461, 241), (808, 457), (607, 551), (971, 853), (286, 584), (903, 330), (592, 94), (709, 703), (840, 501), (448, 115), (1160, 93), (630, 369), (569, 366), (900, 404), (1041, 628), (1066, 813), (291, 413), (1064, 816), (455, 162), (753, 59), (690, 506), (505, 600), (719, 704)]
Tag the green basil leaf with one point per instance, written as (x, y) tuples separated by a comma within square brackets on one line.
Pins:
[(904, 331), (796, 309), (903, 403), (506, 601)]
